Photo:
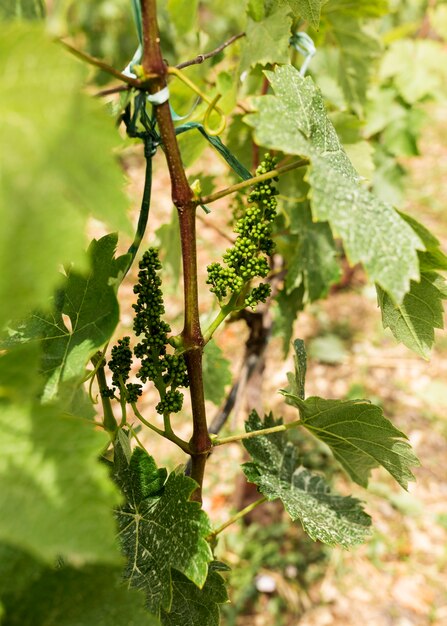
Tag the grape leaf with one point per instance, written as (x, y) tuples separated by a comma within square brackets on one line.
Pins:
[(359, 49), (432, 258), (289, 305), (314, 257), (50, 183), (373, 233), (308, 9), (159, 529), (55, 497), (275, 469), (216, 373), (267, 41), (359, 436), (89, 301), (413, 321), (65, 597), (192, 606)]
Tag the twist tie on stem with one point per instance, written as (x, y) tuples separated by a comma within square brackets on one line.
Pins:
[(305, 46), (160, 97)]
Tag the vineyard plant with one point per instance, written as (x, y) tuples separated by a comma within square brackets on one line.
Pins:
[(307, 104)]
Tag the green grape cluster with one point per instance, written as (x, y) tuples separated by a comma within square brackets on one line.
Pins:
[(120, 365), (167, 371), (247, 259)]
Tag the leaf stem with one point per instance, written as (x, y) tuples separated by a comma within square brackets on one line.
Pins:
[(239, 515), (109, 421), (256, 433), (170, 435), (252, 181), (84, 56), (224, 312)]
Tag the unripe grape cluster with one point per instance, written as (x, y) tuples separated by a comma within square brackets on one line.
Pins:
[(167, 371), (120, 365), (247, 259)]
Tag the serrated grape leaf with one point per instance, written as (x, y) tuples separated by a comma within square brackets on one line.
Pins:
[(160, 531), (308, 9), (267, 41), (413, 321), (294, 120), (89, 301), (359, 49), (433, 258), (56, 498), (93, 595), (275, 469), (192, 606), (314, 258), (359, 436), (50, 183), (289, 305), (216, 373)]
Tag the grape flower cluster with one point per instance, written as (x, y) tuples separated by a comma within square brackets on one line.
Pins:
[(247, 259), (166, 371), (120, 365)]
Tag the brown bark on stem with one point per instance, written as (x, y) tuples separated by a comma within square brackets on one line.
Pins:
[(183, 199)]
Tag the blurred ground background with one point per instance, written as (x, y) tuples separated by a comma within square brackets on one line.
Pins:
[(280, 577)]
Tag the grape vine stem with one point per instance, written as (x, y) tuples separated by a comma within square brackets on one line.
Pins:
[(183, 198), (256, 433), (252, 181)]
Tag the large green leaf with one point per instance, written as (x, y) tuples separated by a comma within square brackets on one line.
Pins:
[(326, 517), (93, 595), (294, 120), (267, 41), (216, 373), (359, 436), (55, 496), (314, 258), (51, 183), (192, 606), (88, 302), (359, 49), (308, 9), (413, 321), (160, 529), (183, 14)]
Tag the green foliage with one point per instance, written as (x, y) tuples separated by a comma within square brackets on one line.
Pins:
[(216, 373), (63, 453), (267, 40), (88, 300), (191, 605), (60, 177), (159, 528), (300, 126), (278, 473), (50, 474), (359, 436), (64, 595)]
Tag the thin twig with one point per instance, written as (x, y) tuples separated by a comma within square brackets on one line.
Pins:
[(238, 516), (257, 433), (111, 90), (252, 181), (202, 57), (84, 56)]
